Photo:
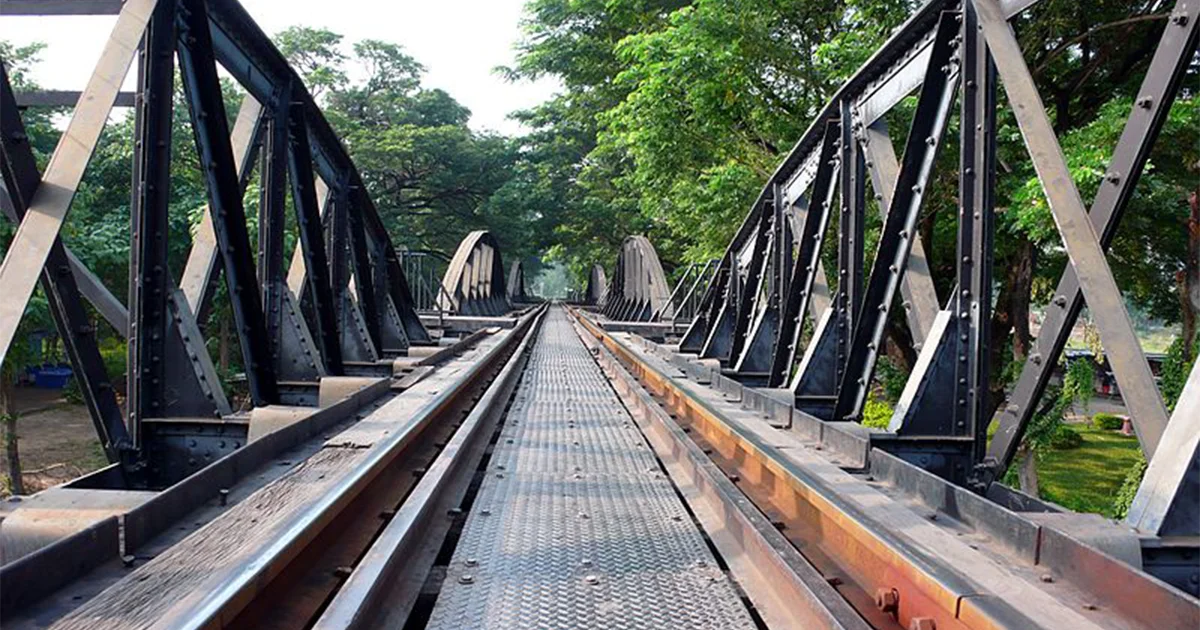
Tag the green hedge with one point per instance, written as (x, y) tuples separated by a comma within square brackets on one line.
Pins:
[(1107, 421), (1065, 437)]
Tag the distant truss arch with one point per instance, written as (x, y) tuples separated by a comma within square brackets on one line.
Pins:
[(474, 283), (597, 286), (516, 282), (639, 289)]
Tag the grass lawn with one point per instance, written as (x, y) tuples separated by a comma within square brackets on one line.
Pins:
[(1086, 479)]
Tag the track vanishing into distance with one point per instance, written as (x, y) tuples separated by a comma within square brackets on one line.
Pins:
[(399, 453), (576, 523), (555, 475)]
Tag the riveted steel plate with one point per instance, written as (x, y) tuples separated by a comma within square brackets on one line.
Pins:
[(575, 524)]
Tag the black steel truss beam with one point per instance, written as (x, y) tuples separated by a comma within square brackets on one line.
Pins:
[(21, 179), (211, 129), (807, 261), (1176, 50), (891, 257), (312, 242)]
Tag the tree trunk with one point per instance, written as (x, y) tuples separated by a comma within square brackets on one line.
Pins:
[(1027, 474), (13, 455), (1001, 336), (1020, 276), (1188, 279), (223, 345), (899, 344)]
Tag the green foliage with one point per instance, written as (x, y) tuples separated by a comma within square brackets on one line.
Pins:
[(1175, 370), (1064, 438), (432, 178), (876, 413), (1107, 421), (891, 377), (1087, 478), (1078, 382), (1129, 488)]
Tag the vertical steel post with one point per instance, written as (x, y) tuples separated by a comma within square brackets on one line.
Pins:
[(976, 228), (312, 240), (149, 275), (851, 220), (272, 211), (211, 129)]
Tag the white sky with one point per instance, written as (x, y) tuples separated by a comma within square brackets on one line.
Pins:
[(458, 41)]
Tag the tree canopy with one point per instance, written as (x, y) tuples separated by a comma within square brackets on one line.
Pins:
[(671, 116)]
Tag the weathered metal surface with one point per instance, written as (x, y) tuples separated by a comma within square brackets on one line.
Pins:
[(386, 583), (576, 525), (639, 289), (48, 207), (212, 575), (869, 541), (787, 591), (474, 282)]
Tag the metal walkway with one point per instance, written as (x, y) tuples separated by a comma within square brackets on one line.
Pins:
[(576, 525)]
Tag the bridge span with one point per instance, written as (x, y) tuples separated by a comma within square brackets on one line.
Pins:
[(406, 453)]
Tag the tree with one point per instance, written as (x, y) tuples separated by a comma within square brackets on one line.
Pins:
[(431, 177)]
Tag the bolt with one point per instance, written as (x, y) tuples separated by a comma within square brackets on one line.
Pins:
[(127, 561), (223, 493), (591, 579), (1047, 578), (471, 562), (342, 572), (922, 623), (466, 578), (887, 599)]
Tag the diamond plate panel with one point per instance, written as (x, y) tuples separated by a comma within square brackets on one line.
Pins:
[(576, 525)]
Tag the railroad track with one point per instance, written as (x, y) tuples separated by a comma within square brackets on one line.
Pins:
[(558, 475)]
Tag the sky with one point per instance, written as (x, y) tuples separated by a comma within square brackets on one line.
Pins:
[(459, 42)]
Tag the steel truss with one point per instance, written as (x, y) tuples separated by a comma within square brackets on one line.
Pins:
[(515, 285), (639, 290), (597, 286), (343, 282), (474, 282), (770, 284)]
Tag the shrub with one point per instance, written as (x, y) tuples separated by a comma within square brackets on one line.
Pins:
[(1129, 488), (1107, 421), (876, 414), (1065, 437)]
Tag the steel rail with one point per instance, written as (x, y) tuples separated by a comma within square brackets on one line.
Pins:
[(386, 582), (229, 582), (787, 591), (221, 605), (882, 554)]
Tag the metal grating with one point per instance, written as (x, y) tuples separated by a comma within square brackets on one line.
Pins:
[(575, 525)]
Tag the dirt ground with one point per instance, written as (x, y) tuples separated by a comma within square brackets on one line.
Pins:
[(56, 439)]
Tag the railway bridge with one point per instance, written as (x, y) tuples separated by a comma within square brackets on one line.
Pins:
[(463, 454)]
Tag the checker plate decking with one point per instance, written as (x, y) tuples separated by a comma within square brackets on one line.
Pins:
[(576, 525)]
